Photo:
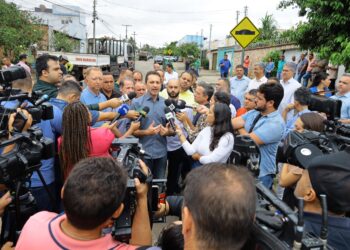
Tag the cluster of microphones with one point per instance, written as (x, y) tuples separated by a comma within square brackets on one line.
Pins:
[(171, 107)]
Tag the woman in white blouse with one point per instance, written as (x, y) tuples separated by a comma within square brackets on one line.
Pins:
[(215, 142)]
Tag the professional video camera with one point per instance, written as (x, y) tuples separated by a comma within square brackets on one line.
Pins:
[(20, 152), (300, 148), (128, 152)]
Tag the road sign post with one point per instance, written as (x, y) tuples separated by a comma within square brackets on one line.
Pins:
[(245, 32)]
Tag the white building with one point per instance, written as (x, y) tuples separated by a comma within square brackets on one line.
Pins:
[(64, 18)]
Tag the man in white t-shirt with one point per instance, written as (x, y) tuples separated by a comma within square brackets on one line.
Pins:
[(259, 77), (170, 74)]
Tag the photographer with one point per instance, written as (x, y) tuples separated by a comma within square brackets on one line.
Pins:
[(343, 94), (330, 175), (260, 123), (86, 215)]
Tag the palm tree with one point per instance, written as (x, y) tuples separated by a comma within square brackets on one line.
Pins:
[(268, 30)]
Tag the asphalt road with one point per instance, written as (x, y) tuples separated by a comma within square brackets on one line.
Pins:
[(204, 75)]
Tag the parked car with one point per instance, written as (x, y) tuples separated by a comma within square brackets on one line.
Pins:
[(158, 59)]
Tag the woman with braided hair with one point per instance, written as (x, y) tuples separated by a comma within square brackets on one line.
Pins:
[(79, 140)]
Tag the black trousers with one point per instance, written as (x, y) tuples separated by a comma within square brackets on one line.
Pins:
[(178, 163)]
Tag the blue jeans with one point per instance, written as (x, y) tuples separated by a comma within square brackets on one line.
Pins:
[(157, 166), (306, 78), (267, 180), (279, 75)]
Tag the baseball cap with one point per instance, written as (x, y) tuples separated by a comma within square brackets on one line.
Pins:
[(64, 57), (330, 175)]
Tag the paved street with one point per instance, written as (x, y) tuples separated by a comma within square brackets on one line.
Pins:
[(204, 75)]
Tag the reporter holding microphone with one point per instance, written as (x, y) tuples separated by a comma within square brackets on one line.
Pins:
[(215, 142)]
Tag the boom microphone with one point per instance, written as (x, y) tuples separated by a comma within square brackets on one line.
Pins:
[(143, 113), (41, 100)]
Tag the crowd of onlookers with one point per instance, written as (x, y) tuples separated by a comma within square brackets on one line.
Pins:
[(188, 135)]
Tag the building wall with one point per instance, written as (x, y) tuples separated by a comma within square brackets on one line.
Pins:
[(191, 39), (67, 19)]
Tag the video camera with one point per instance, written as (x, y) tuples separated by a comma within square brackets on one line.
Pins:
[(22, 152), (128, 152), (299, 148)]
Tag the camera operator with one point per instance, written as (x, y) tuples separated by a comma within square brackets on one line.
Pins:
[(225, 223), (260, 123), (153, 127), (92, 198), (330, 175), (343, 94), (49, 74)]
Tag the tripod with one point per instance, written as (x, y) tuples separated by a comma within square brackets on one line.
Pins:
[(22, 206)]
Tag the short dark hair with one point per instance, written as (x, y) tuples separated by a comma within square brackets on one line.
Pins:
[(239, 66), (230, 191), (171, 237), (69, 87), (302, 95), (222, 97), (208, 89), (170, 65), (313, 121), (272, 92), (122, 82), (41, 63), (93, 191), (227, 82), (149, 73), (107, 73)]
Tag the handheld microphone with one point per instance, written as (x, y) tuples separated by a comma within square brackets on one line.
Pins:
[(41, 100), (143, 113), (171, 105), (122, 110), (170, 117), (181, 104), (127, 97), (324, 228)]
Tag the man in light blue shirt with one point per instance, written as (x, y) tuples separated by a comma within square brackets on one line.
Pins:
[(239, 84), (91, 94), (154, 126), (265, 126), (343, 94)]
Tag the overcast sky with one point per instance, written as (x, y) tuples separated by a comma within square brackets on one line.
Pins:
[(158, 22)]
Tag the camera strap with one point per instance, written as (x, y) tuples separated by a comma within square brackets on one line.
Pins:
[(257, 118)]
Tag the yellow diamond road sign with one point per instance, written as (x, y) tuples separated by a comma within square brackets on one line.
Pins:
[(245, 32)]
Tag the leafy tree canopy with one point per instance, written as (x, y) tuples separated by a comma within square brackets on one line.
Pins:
[(326, 30)]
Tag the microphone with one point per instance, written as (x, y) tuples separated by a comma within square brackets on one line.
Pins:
[(143, 113), (41, 100), (127, 97), (122, 110), (181, 104), (171, 105), (170, 117)]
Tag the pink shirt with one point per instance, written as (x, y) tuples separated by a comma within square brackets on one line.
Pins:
[(101, 140), (25, 66), (43, 231)]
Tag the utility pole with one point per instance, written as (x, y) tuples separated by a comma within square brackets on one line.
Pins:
[(211, 27), (126, 30), (243, 50), (237, 16), (94, 17), (201, 46), (134, 34)]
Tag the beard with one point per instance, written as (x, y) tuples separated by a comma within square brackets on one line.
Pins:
[(173, 94), (261, 109)]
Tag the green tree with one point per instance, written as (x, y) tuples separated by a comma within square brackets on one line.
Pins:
[(189, 49), (326, 30), (62, 42), (132, 42), (171, 49), (268, 30), (17, 29)]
